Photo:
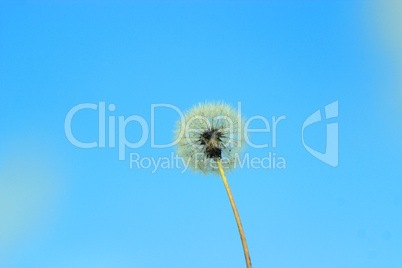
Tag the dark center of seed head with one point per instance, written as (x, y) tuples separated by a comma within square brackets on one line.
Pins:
[(212, 140)]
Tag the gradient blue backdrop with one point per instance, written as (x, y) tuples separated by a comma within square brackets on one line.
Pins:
[(62, 206)]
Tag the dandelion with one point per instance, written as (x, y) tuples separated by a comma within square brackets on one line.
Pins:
[(210, 138)]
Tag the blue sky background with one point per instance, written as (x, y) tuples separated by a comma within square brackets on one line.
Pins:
[(62, 206)]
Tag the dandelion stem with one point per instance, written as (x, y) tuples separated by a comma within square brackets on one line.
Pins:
[(236, 214)]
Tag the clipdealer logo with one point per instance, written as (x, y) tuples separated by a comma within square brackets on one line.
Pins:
[(330, 156), (112, 134)]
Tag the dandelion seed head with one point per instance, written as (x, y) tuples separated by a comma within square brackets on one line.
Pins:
[(210, 131)]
